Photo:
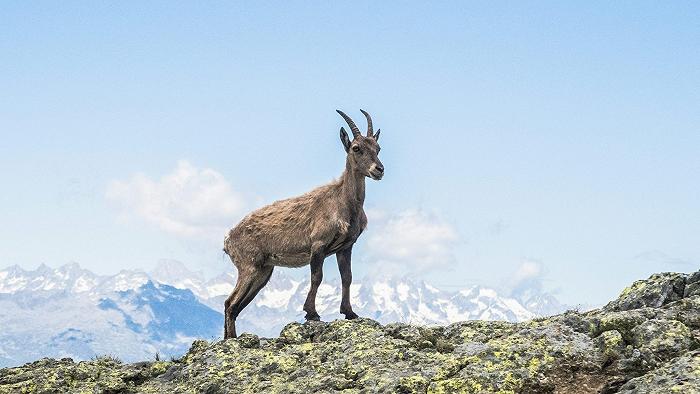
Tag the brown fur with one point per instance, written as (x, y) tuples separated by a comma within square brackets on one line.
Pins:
[(305, 230)]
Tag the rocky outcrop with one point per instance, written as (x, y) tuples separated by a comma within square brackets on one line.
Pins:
[(646, 341)]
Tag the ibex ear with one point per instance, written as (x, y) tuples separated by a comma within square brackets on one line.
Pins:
[(376, 135), (344, 138)]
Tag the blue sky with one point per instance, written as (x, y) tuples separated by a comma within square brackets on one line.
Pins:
[(550, 141)]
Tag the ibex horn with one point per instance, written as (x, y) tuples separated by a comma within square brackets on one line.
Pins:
[(353, 127), (370, 130)]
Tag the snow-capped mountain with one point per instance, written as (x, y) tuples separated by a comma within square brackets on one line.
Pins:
[(72, 312)]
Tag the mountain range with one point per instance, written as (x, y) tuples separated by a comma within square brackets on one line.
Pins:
[(72, 312)]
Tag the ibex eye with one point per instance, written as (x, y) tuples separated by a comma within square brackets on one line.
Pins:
[(355, 148)]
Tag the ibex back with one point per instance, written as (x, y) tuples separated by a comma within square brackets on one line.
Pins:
[(305, 230)]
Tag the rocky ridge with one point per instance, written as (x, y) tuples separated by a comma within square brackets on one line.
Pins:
[(134, 314), (645, 341)]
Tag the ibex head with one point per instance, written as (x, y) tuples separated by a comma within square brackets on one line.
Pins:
[(362, 150)]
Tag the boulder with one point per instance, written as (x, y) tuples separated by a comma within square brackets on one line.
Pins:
[(680, 375), (658, 290)]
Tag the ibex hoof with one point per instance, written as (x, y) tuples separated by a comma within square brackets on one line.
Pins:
[(351, 315), (312, 316)]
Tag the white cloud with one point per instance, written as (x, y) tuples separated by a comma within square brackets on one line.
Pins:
[(413, 239), (527, 270), (527, 278), (527, 286), (188, 202)]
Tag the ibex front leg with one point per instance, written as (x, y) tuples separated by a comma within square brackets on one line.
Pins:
[(343, 258), (316, 278)]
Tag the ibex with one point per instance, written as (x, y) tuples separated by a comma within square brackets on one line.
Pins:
[(305, 230)]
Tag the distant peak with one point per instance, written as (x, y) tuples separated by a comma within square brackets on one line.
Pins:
[(72, 266), (167, 269), (13, 268), (170, 264)]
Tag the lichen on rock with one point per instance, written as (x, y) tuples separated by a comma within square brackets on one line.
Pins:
[(664, 339), (611, 345)]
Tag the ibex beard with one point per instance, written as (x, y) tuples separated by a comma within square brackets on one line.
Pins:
[(305, 230)]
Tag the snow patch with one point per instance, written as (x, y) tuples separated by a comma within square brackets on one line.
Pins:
[(219, 289), (277, 298), (402, 290)]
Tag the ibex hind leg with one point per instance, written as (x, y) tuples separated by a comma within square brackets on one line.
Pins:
[(247, 287), (229, 319), (261, 279)]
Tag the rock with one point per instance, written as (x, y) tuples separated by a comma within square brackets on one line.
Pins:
[(413, 384), (477, 331), (622, 322), (686, 311), (408, 333), (471, 349), (692, 285), (645, 341), (611, 345), (250, 341), (681, 375), (654, 292), (694, 277), (662, 339), (420, 337), (537, 357), (583, 323), (692, 289), (104, 375), (300, 333)]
